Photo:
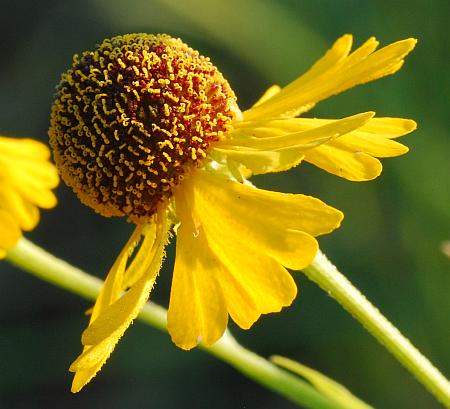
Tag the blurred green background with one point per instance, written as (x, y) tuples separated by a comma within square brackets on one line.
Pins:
[(389, 244)]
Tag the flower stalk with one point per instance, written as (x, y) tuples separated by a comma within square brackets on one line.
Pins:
[(327, 276), (47, 267)]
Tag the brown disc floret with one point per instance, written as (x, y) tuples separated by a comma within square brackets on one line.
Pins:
[(130, 118)]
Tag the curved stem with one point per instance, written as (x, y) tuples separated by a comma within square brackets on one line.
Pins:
[(38, 262), (326, 275)]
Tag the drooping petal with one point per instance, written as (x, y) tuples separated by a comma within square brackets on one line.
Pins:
[(335, 72), (254, 281), (114, 310), (197, 310), (142, 259), (113, 286), (231, 244), (222, 209)]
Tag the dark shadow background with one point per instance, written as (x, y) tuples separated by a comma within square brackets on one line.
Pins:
[(389, 245)]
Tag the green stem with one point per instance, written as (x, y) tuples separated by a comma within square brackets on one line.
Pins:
[(326, 275), (38, 262)]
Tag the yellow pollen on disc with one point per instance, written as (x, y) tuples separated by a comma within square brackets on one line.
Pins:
[(130, 118)]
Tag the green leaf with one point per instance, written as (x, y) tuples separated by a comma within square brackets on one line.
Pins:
[(327, 386)]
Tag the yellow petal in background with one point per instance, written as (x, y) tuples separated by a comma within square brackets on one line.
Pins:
[(23, 148), (40, 170), (26, 180), (25, 213), (335, 72), (9, 232)]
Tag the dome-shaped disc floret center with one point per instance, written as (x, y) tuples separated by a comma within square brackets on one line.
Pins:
[(132, 117)]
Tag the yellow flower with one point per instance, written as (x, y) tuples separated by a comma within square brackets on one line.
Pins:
[(26, 180), (146, 127)]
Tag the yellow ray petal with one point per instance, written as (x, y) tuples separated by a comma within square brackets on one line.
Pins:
[(261, 162), (113, 313), (302, 139), (389, 127), (116, 304), (224, 212), (197, 309), (370, 144), (270, 92), (253, 283), (93, 356), (290, 211), (278, 145), (113, 286), (334, 73), (117, 317), (335, 55), (142, 259), (350, 155), (345, 162)]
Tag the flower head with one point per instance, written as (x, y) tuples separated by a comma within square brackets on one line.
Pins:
[(145, 127), (26, 180), (141, 111)]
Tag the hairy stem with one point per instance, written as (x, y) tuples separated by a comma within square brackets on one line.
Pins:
[(47, 267), (326, 275)]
